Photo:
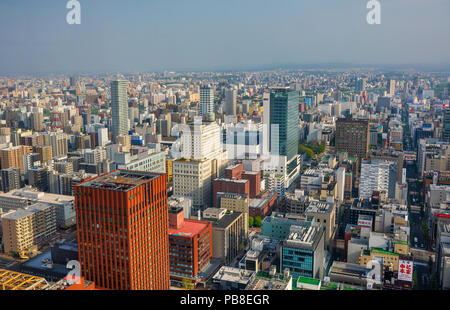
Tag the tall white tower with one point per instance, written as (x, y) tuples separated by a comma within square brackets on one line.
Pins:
[(119, 107)]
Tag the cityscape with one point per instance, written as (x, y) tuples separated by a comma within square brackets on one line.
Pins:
[(314, 177)]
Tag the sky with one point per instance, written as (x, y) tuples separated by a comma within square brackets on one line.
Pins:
[(209, 35)]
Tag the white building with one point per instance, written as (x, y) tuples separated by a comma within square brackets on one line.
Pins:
[(377, 175), (340, 183), (119, 108)]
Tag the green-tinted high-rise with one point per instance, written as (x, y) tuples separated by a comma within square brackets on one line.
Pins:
[(284, 111)]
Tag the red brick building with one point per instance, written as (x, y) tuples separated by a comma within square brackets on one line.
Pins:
[(230, 186), (255, 182), (122, 230), (263, 204), (190, 246), (237, 181)]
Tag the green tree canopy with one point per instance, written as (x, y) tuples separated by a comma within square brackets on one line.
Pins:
[(303, 149), (258, 221)]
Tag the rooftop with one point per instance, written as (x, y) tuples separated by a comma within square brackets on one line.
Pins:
[(32, 194), (231, 274), (189, 229), (120, 180), (320, 207), (226, 220), (10, 280), (303, 235), (21, 213)]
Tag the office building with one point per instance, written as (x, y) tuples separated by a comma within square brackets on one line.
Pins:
[(200, 141), (391, 88), (207, 102), (190, 246), (131, 251), (378, 175), (230, 101), (232, 279), (324, 213), (352, 136), (303, 251), (229, 233), (281, 119), (446, 125)]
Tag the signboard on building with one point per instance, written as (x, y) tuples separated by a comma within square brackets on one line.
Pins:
[(405, 270), (435, 178)]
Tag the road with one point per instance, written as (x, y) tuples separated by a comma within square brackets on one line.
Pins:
[(423, 275), (416, 231)]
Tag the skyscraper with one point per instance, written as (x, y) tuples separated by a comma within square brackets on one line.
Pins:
[(37, 121), (119, 108), (352, 136), (207, 101), (446, 129), (391, 88), (122, 227), (283, 110), (281, 136), (360, 85), (230, 101)]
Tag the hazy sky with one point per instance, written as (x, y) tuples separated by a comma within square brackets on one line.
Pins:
[(156, 35)]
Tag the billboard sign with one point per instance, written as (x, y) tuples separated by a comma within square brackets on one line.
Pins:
[(405, 270)]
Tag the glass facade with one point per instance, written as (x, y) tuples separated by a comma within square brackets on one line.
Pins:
[(284, 111), (300, 262)]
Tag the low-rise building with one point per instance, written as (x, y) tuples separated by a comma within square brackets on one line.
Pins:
[(303, 251)]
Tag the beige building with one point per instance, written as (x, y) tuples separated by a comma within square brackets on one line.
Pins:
[(235, 203), (389, 259), (324, 213), (229, 232), (27, 196), (45, 153), (12, 156), (193, 178), (25, 229)]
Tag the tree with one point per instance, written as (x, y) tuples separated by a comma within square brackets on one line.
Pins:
[(188, 285), (251, 221), (303, 149), (320, 148), (258, 221)]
